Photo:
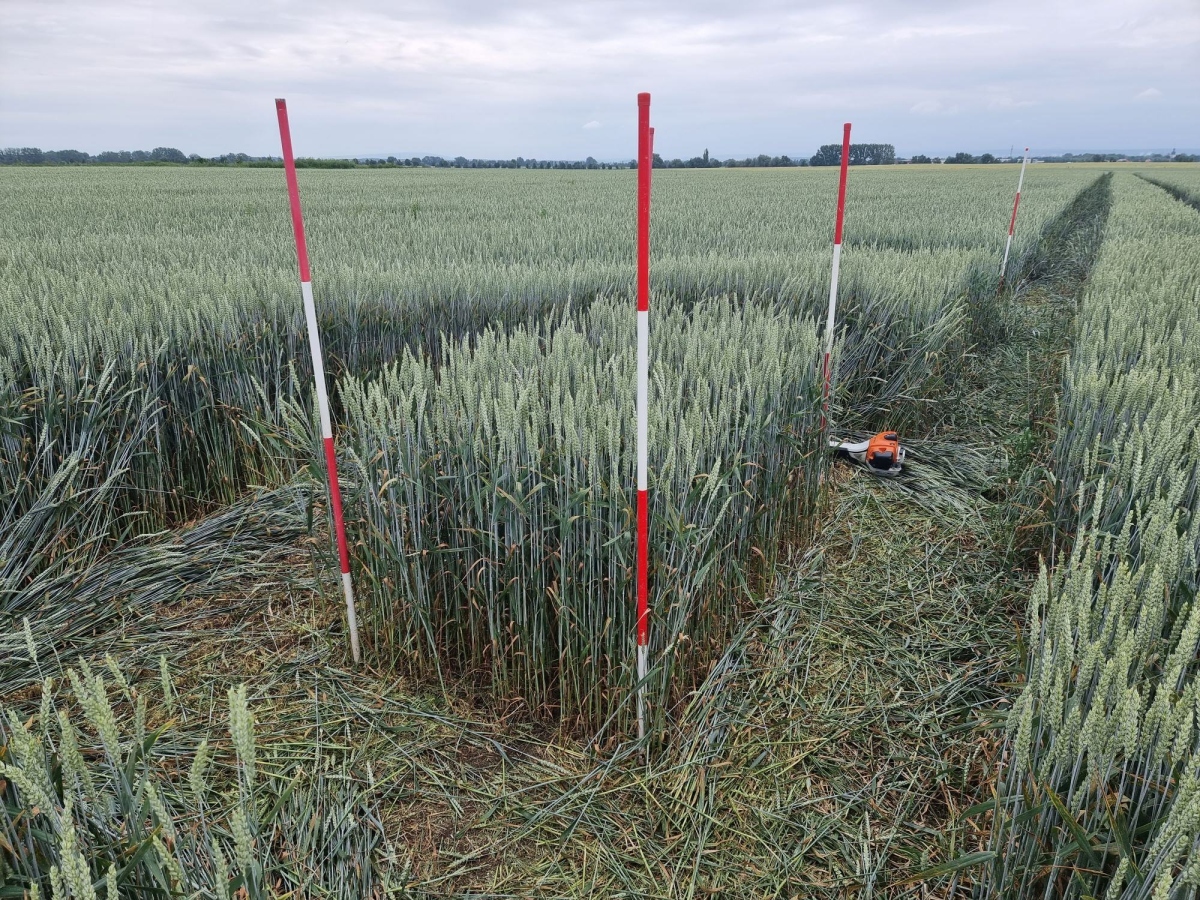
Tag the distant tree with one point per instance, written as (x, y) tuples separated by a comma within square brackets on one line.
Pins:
[(921, 158), (960, 157), (167, 154), (591, 163), (22, 156), (871, 154), (828, 155), (860, 155), (987, 158)]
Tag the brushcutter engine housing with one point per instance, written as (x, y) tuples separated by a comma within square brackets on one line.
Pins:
[(882, 455)]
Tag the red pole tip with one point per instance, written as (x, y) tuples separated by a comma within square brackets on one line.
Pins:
[(644, 98), (280, 103)]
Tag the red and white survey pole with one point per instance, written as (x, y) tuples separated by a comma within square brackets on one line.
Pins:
[(1013, 221), (645, 167), (314, 344), (833, 280)]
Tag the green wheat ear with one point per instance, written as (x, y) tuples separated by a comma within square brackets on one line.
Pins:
[(196, 779), (30, 646), (241, 730), (168, 690)]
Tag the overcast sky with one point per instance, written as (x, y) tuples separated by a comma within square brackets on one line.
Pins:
[(546, 79)]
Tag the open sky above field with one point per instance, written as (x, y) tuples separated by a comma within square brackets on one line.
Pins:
[(546, 79)]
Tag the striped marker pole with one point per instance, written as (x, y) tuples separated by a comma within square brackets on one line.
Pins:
[(1013, 221), (314, 344), (645, 167), (833, 280)]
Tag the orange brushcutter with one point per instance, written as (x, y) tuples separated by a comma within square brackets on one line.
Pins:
[(882, 454)]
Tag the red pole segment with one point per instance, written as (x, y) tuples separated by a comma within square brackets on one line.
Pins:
[(1012, 222), (314, 345), (833, 280), (841, 204), (645, 167)]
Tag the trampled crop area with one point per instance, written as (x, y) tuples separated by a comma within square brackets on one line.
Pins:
[(979, 678)]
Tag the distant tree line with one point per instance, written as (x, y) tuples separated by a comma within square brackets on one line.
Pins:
[(33, 156), (705, 161), (520, 162), (1121, 157), (827, 155), (985, 158)]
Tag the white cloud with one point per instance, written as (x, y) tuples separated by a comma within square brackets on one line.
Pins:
[(1148, 94), (591, 125), (933, 108), (1008, 103)]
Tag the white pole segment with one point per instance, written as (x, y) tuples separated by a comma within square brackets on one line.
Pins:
[(643, 395), (833, 292), (643, 667), (351, 616), (1013, 221), (314, 346), (827, 373)]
